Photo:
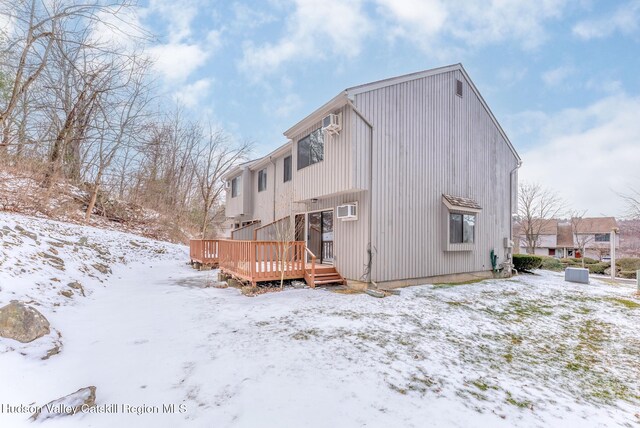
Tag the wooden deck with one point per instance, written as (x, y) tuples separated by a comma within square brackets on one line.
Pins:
[(263, 261)]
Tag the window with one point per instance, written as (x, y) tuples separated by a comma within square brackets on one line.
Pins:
[(311, 149), (287, 169), (262, 180), (459, 88), (235, 187), (461, 228), (603, 237)]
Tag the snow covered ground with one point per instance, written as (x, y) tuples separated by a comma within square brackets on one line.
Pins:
[(531, 351)]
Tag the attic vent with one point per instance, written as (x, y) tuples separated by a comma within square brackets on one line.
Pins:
[(459, 88)]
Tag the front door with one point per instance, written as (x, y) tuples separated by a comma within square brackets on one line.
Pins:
[(320, 235)]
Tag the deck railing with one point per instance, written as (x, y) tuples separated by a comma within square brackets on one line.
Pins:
[(258, 261), (204, 251)]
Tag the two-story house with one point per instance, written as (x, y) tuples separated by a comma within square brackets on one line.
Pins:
[(567, 238), (396, 182)]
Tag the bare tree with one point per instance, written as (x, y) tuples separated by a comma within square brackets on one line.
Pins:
[(632, 200), (37, 25), (122, 111), (581, 240), (537, 207), (215, 158)]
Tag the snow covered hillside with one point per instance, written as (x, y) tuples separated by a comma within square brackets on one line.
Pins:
[(531, 351)]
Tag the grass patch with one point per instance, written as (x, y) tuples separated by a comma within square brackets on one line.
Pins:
[(306, 334), (523, 404), (482, 385), (624, 302), (440, 285)]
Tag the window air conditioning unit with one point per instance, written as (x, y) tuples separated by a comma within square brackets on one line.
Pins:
[(331, 123), (347, 212)]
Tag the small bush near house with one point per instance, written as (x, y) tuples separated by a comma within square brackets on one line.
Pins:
[(631, 274), (526, 262), (598, 267), (587, 261), (551, 263)]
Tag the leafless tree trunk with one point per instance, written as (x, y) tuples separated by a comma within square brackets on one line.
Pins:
[(537, 207), (580, 238)]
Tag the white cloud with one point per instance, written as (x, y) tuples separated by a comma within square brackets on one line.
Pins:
[(588, 154), (624, 19), (177, 61), (314, 29), (556, 76), (191, 95), (475, 23), (178, 16)]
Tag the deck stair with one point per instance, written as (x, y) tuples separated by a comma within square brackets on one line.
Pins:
[(324, 275)]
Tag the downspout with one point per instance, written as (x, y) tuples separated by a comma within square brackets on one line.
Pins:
[(518, 165), (357, 112)]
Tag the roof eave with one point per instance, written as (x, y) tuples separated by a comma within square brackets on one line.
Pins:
[(334, 103)]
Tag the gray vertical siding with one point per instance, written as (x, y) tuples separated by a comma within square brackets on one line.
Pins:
[(424, 141), (263, 202), (428, 141), (335, 173), (245, 233), (350, 237), (240, 207)]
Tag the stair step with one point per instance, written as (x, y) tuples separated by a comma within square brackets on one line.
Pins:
[(328, 281), (326, 274)]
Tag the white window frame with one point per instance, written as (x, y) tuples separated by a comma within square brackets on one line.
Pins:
[(447, 210)]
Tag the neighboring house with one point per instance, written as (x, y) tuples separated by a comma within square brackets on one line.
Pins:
[(395, 182), (564, 238), (547, 237)]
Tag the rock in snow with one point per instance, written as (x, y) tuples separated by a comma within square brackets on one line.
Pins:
[(82, 399), (22, 323)]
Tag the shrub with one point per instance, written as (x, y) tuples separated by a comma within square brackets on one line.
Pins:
[(587, 261), (598, 267), (628, 264), (551, 263), (526, 262), (631, 274)]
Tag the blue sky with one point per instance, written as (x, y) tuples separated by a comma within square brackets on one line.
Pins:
[(561, 76)]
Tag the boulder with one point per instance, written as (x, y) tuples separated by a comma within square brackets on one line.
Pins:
[(67, 293), (77, 286), (22, 323), (101, 268), (79, 401)]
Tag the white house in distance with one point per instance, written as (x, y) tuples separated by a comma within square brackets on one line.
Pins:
[(397, 182), (558, 238)]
